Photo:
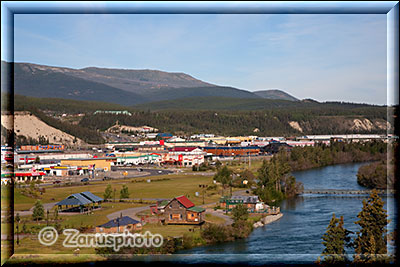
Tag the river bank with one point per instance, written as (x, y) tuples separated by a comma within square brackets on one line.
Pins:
[(267, 220)]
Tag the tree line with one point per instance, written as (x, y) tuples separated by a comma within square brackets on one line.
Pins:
[(320, 155), (370, 242)]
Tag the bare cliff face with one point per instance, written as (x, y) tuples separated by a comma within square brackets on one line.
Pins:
[(29, 125), (343, 125)]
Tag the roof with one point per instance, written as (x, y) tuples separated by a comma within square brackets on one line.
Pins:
[(91, 196), (183, 148), (185, 201), (196, 209), (246, 199), (232, 147), (121, 221), (82, 198), (162, 203)]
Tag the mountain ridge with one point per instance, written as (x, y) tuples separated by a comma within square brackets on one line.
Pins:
[(275, 94)]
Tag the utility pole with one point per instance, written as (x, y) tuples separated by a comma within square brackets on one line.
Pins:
[(203, 186)]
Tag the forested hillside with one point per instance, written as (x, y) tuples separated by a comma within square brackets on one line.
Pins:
[(225, 116), (261, 123)]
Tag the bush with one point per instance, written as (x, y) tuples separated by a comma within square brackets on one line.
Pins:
[(213, 233)]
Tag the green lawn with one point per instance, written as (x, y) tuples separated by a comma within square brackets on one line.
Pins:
[(175, 185)]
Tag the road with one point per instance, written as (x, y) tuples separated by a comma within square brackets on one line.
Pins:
[(114, 175)]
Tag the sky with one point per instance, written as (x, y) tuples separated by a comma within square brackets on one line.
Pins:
[(329, 57)]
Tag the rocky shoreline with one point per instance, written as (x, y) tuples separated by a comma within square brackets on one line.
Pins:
[(267, 219)]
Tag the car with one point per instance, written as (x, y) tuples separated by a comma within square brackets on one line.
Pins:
[(140, 169), (57, 182), (85, 180), (106, 178), (159, 171)]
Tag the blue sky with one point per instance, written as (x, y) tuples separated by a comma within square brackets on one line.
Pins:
[(325, 57)]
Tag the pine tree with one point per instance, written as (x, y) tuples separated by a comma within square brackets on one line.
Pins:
[(335, 240), (107, 193), (124, 192), (38, 211), (370, 243)]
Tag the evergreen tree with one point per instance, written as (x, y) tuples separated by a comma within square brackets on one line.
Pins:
[(223, 176), (335, 240), (371, 240), (38, 211), (124, 192), (240, 213), (107, 193)]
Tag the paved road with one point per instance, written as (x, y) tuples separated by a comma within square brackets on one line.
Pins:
[(220, 214), (46, 206), (136, 174), (131, 212)]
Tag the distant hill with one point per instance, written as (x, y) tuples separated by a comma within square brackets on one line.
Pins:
[(139, 81), (31, 80), (120, 86), (275, 94)]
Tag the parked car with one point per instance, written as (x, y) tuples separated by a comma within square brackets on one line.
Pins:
[(57, 182), (159, 171), (106, 178), (140, 169), (84, 180)]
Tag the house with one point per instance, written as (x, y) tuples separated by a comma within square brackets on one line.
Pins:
[(181, 210), (119, 225), (159, 207), (252, 203)]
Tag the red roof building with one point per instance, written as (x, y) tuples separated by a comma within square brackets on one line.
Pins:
[(185, 201)]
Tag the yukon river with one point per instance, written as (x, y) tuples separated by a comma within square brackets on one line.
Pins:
[(296, 237)]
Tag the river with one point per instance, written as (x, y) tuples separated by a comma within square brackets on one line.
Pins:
[(296, 237)]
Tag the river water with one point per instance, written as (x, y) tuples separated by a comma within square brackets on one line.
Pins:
[(296, 237)]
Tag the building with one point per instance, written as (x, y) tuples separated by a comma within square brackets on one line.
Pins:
[(98, 163), (23, 176), (181, 210), (46, 148), (275, 147), (80, 202), (252, 203), (138, 160), (232, 151), (119, 225), (184, 156), (114, 112), (159, 207), (164, 136)]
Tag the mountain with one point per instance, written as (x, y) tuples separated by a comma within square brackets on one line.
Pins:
[(38, 81), (119, 86), (214, 91), (139, 81), (275, 94)]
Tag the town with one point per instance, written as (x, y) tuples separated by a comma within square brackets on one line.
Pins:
[(157, 182)]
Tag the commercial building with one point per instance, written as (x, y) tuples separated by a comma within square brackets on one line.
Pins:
[(229, 151), (96, 163)]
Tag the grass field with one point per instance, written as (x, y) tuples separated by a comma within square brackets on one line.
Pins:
[(171, 186), (167, 186)]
